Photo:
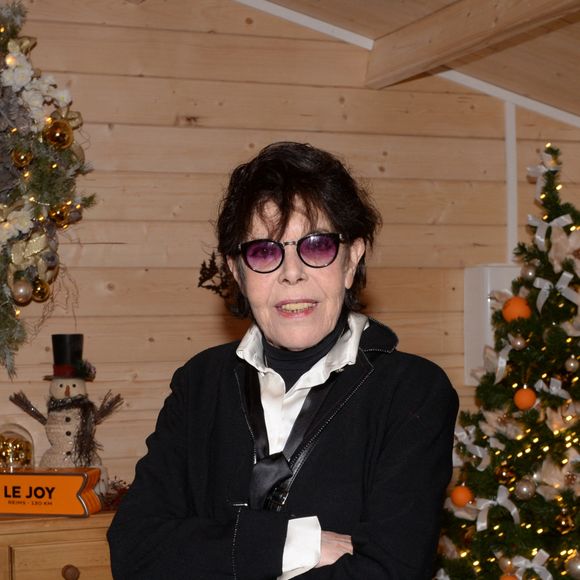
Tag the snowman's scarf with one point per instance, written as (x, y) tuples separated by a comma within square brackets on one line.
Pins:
[(85, 445)]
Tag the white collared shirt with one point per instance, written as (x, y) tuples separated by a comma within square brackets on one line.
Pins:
[(281, 408)]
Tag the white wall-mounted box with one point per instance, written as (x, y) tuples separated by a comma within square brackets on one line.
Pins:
[(479, 282)]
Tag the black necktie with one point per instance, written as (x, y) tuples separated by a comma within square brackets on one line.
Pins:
[(271, 471)]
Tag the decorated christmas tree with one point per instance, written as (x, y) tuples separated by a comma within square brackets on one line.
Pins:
[(40, 158), (515, 511)]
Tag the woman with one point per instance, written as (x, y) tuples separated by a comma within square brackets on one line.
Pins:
[(311, 448)]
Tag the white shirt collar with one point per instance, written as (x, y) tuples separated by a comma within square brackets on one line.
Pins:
[(343, 353)]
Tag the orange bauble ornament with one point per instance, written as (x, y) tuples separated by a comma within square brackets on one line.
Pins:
[(516, 307), (525, 399), (461, 496), (508, 577)]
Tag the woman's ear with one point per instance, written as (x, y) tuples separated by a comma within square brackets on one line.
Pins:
[(235, 266), (356, 252)]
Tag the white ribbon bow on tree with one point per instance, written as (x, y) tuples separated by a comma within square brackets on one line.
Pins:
[(502, 360), (501, 499), (555, 388), (539, 172), (466, 437), (542, 228), (561, 285), (537, 565)]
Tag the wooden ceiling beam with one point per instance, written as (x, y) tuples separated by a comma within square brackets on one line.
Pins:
[(455, 32)]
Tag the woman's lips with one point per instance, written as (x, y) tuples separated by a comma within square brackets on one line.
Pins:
[(297, 307)]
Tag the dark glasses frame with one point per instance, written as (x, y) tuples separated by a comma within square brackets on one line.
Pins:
[(245, 246)]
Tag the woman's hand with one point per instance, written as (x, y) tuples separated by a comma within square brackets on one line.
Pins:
[(332, 547)]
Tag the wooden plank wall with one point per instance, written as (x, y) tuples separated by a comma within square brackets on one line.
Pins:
[(174, 95)]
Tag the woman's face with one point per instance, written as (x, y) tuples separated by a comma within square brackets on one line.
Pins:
[(296, 306)]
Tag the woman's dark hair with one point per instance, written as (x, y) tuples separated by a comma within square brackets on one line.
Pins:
[(280, 173)]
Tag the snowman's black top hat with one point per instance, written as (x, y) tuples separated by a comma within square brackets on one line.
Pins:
[(67, 353)]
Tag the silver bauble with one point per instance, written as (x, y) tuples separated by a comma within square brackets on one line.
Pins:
[(528, 272), (573, 567), (525, 489), (572, 364), (506, 564), (22, 291), (518, 342)]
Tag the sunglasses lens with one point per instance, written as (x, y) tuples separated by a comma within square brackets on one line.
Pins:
[(319, 250), (262, 255)]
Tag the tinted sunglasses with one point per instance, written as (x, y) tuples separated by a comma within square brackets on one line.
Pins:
[(315, 250)]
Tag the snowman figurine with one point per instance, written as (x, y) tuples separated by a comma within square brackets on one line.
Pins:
[(72, 417)]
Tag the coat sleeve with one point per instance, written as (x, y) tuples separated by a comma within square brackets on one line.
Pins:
[(396, 539), (158, 532)]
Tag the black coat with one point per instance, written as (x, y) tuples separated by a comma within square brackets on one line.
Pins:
[(377, 472)]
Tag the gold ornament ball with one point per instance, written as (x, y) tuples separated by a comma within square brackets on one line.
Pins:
[(572, 364), (21, 159), (14, 451), (504, 474), (22, 291), (59, 134), (60, 216), (525, 489), (564, 522), (573, 567), (40, 290)]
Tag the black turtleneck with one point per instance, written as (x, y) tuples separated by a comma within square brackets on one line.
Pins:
[(292, 364)]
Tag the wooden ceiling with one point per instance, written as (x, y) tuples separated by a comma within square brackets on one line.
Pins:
[(529, 47)]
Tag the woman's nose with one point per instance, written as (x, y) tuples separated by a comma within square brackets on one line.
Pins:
[(293, 269)]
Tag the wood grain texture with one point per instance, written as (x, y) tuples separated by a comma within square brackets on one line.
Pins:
[(186, 150), (194, 197), (221, 104), (97, 49), (208, 16), (456, 31)]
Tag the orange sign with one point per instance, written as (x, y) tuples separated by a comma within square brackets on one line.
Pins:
[(54, 492)]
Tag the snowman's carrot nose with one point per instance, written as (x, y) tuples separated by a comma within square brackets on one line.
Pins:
[(67, 391)]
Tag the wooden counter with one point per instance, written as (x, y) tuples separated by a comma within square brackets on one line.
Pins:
[(43, 548)]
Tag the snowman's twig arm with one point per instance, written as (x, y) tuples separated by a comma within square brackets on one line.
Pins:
[(108, 406), (22, 401)]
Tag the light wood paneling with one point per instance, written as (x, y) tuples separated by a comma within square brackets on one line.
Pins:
[(157, 196), (541, 64), (372, 18), (529, 68), (182, 150), (219, 104), (97, 49), (209, 16)]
